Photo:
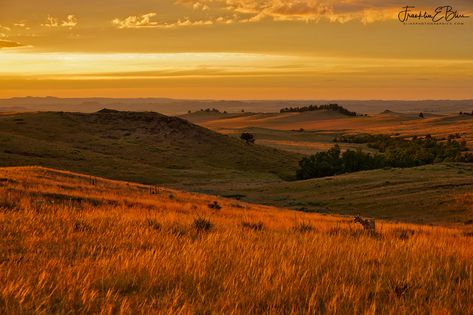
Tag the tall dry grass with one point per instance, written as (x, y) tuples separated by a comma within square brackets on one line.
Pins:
[(69, 246)]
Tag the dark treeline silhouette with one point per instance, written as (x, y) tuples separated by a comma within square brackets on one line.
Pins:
[(394, 152), (312, 108), (208, 110), (361, 138), (465, 113), (333, 162)]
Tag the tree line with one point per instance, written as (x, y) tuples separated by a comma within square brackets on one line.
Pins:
[(311, 108)]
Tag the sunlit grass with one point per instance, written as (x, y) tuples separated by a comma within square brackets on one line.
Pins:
[(68, 245)]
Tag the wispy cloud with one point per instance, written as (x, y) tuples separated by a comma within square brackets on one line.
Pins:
[(22, 25), (4, 28), (51, 22), (9, 44), (148, 21), (143, 21), (70, 21)]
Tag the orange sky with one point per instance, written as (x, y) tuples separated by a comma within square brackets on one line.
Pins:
[(233, 49)]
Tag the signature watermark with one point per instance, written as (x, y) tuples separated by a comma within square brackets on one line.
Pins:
[(443, 15)]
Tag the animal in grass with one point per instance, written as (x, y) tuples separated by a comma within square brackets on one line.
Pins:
[(368, 224)]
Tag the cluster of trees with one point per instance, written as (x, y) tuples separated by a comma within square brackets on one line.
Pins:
[(208, 110), (465, 113), (399, 152), (333, 162), (370, 138), (361, 138), (311, 108), (394, 152)]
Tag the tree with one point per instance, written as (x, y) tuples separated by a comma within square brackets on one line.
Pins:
[(247, 137), (421, 115)]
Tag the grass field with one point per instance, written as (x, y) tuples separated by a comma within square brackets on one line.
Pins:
[(75, 244)]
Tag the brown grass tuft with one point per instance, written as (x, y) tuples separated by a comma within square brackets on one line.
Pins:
[(255, 226)]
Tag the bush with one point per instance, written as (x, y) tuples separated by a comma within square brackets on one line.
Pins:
[(214, 205), (202, 225), (247, 137)]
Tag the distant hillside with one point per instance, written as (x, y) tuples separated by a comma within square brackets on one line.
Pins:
[(179, 107), (279, 121), (141, 146)]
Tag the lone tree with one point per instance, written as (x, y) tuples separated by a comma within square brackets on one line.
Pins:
[(247, 137), (421, 115)]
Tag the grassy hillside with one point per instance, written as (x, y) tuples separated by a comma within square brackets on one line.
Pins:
[(152, 148), (437, 193), (72, 245), (139, 146)]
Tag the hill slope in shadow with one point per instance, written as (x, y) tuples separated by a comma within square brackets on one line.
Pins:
[(139, 146)]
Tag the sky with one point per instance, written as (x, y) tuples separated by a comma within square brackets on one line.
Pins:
[(236, 49)]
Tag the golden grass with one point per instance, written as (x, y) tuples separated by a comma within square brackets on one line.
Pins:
[(68, 246)]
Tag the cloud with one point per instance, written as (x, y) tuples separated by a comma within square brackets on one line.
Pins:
[(200, 6), (253, 11), (71, 21), (250, 11), (22, 24), (4, 28), (52, 22), (196, 5), (143, 21), (147, 21), (9, 44)]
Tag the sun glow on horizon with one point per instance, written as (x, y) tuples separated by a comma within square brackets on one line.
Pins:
[(250, 49)]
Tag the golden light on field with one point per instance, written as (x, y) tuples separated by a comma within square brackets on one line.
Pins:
[(232, 49), (102, 246)]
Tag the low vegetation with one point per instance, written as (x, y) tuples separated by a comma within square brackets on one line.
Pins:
[(395, 152), (70, 246)]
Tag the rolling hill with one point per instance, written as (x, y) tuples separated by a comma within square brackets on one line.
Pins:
[(151, 148), (308, 132), (431, 194), (70, 243), (139, 146)]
